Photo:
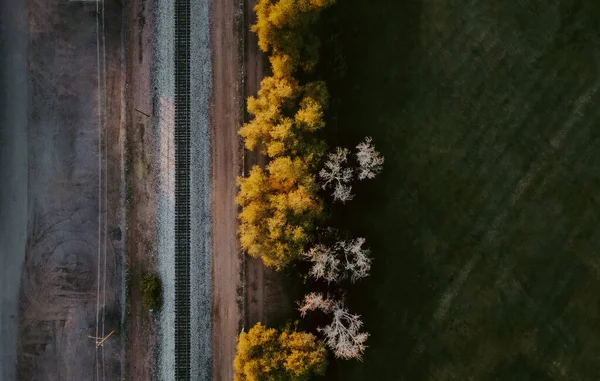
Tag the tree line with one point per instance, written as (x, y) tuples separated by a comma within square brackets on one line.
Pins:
[(282, 204)]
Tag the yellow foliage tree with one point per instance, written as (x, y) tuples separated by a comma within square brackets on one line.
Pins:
[(279, 207), (265, 354), (258, 356), (284, 26), (282, 65), (317, 91), (284, 116), (316, 99), (280, 203), (275, 97), (304, 354)]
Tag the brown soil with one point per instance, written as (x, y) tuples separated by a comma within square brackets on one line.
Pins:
[(141, 194), (226, 153)]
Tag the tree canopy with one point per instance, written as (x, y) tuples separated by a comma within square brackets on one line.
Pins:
[(284, 27), (279, 207), (280, 203), (285, 116), (264, 354)]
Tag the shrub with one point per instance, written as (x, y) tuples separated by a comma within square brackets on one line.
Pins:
[(152, 291)]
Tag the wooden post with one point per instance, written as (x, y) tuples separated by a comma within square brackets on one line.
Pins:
[(107, 336)]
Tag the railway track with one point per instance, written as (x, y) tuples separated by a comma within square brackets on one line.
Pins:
[(182, 190)]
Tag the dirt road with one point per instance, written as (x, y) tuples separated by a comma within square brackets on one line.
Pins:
[(226, 118), (244, 292)]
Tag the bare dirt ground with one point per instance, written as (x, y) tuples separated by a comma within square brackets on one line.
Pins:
[(71, 280), (141, 193), (226, 153)]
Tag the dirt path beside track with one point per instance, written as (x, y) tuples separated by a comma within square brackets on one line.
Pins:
[(226, 153)]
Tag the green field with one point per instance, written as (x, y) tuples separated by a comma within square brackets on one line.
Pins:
[(485, 224)]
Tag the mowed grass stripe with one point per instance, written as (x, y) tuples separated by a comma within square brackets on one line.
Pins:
[(501, 123), (510, 107), (524, 183), (556, 297), (517, 202), (500, 165), (533, 180)]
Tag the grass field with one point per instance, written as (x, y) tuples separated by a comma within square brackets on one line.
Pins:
[(485, 225)]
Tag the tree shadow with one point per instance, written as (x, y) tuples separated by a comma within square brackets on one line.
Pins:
[(369, 62)]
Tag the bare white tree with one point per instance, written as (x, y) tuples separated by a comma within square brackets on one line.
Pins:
[(353, 258), (343, 334), (326, 263), (357, 261), (314, 301), (342, 193), (338, 174), (370, 161)]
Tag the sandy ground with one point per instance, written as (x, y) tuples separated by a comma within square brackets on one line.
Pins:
[(13, 171), (226, 118), (141, 192), (71, 279)]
